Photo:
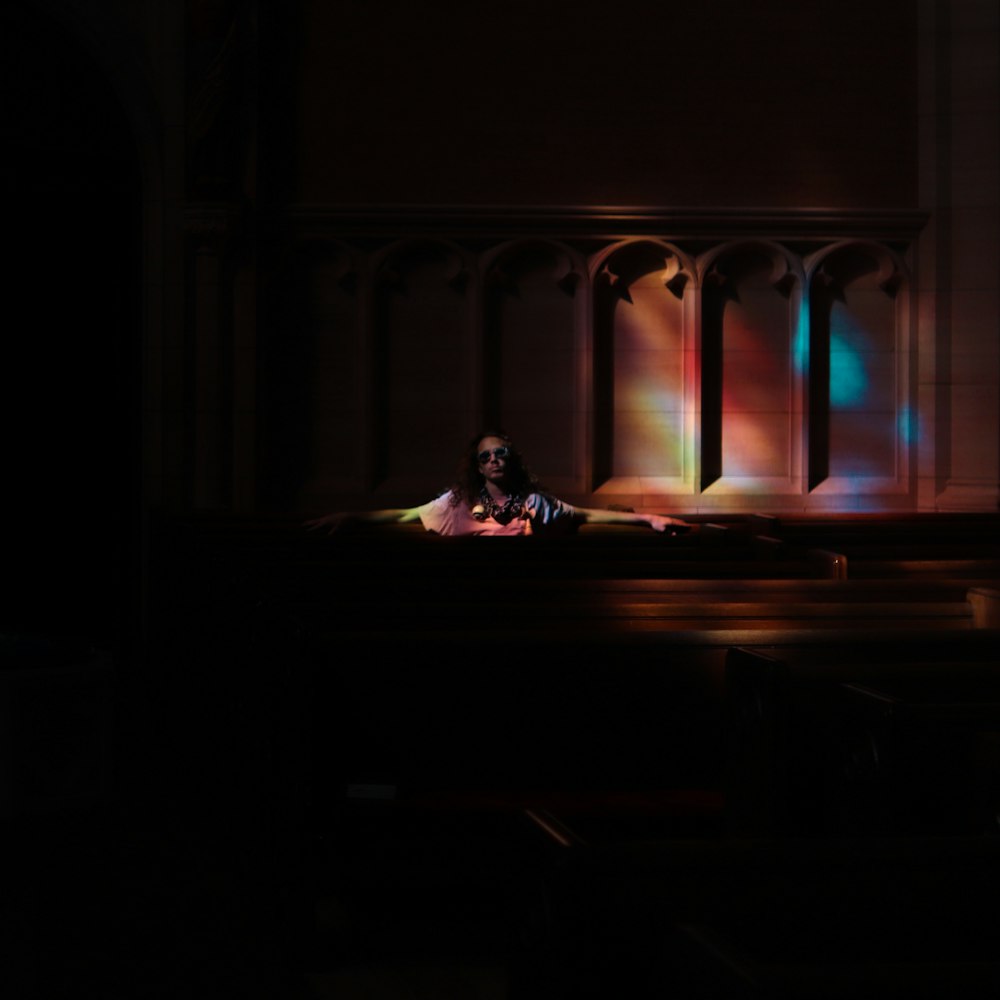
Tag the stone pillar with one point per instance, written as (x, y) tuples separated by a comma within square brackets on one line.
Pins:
[(967, 220)]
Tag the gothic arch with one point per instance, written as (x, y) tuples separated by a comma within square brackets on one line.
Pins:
[(535, 353), (861, 425), (751, 390), (419, 358), (643, 363)]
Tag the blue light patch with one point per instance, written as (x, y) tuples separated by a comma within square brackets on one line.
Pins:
[(908, 426), (848, 378), (800, 342)]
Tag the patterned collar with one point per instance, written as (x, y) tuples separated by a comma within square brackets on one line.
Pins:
[(511, 509)]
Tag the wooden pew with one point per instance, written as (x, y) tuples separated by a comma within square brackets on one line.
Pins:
[(795, 918), (985, 604), (810, 728), (898, 545), (616, 633), (614, 580), (923, 751), (424, 648), (587, 688), (974, 532)]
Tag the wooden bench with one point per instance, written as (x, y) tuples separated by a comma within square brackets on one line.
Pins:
[(805, 755), (370, 583), (893, 546), (414, 653), (835, 918), (985, 604), (603, 718)]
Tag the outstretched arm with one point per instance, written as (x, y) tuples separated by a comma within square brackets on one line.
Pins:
[(658, 522), (395, 515)]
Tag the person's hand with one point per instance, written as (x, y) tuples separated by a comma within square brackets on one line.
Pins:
[(328, 522), (659, 522)]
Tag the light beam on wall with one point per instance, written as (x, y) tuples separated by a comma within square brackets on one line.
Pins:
[(800, 342), (909, 426), (649, 367), (848, 377)]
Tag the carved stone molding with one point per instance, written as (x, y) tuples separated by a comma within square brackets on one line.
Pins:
[(601, 223)]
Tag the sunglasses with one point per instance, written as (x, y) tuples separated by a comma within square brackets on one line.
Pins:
[(502, 452)]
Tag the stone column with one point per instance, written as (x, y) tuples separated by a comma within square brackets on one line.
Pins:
[(966, 212)]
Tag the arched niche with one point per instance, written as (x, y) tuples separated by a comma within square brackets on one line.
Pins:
[(751, 390), (419, 380), (532, 356), (643, 369), (310, 376), (859, 415)]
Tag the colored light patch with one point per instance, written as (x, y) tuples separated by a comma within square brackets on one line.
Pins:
[(757, 363), (908, 425), (848, 379), (646, 338), (800, 342), (751, 448), (646, 400), (657, 412)]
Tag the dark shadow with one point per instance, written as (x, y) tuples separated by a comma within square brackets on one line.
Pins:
[(69, 364)]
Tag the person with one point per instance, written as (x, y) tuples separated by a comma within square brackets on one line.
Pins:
[(495, 493)]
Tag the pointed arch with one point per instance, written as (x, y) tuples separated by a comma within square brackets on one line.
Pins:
[(534, 354), (861, 429), (643, 369), (418, 360), (751, 392)]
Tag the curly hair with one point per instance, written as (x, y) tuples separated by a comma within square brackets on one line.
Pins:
[(469, 481)]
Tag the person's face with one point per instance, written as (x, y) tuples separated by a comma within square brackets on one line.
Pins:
[(492, 453)]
